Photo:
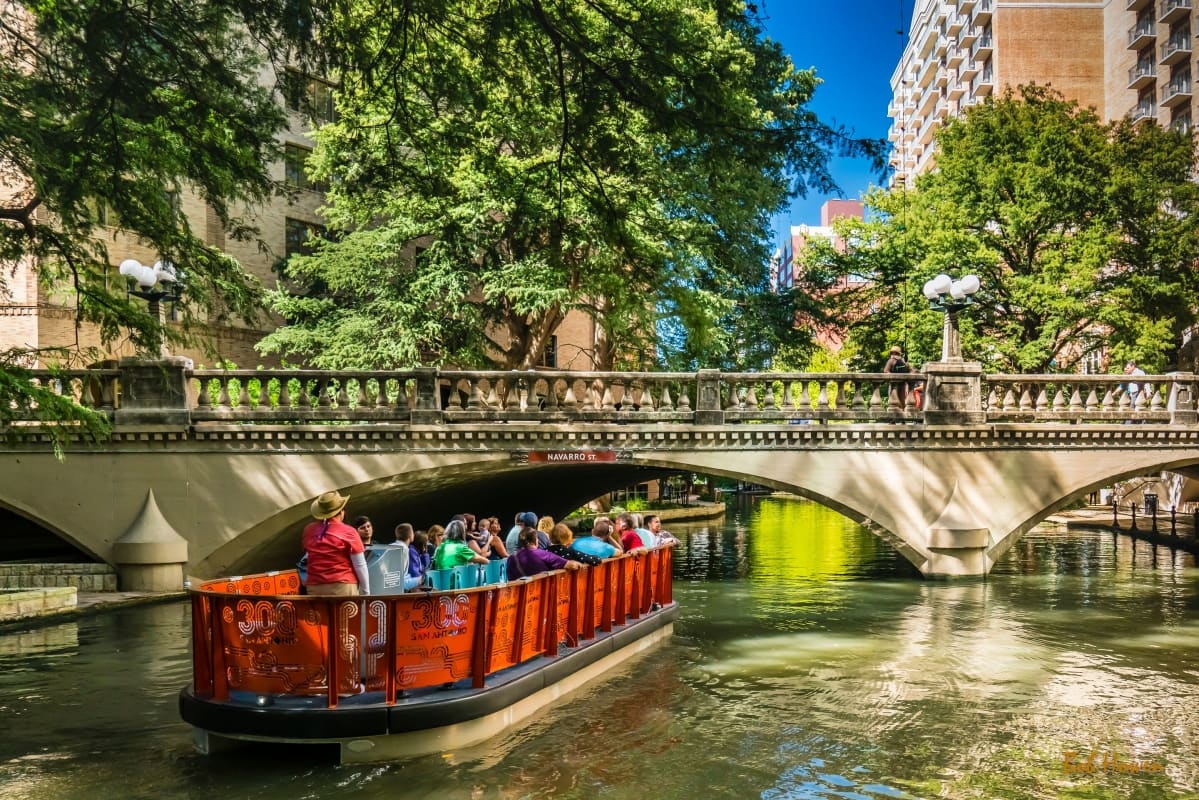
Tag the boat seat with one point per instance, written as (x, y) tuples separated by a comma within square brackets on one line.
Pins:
[(468, 576), (440, 580), (496, 571)]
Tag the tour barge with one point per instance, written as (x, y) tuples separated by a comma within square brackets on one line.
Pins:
[(396, 675)]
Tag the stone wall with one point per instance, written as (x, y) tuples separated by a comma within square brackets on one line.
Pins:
[(82, 577)]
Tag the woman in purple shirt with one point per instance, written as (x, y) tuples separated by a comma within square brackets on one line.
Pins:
[(530, 560)]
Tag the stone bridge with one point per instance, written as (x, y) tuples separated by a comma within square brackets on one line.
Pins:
[(210, 472)]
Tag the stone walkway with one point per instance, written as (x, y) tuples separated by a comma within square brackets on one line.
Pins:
[(1100, 517), (91, 603)]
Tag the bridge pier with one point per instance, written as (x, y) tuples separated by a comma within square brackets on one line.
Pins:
[(150, 556)]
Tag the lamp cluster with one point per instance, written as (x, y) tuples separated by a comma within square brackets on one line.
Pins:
[(147, 277), (944, 293)]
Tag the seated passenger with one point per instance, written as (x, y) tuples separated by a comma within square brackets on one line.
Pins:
[(525, 519), (531, 560), (647, 538), (544, 526), (416, 566), (629, 539), (420, 549), (366, 530), (654, 525), (598, 541), (561, 539), (454, 551), (499, 550)]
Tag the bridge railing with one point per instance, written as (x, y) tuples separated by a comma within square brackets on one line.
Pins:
[(429, 396), (1083, 398)]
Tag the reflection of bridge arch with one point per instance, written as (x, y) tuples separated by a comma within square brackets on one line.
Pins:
[(951, 499)]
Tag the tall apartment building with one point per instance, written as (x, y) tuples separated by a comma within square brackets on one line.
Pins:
[(1121, 57)]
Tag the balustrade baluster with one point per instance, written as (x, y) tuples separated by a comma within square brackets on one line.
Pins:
[(454, 402), (222, 399), (1156, 400), (243, 397), (608, 403), (381, 387), (569, 402), (751, 397), (876, 397), (1076, 403), (805, 397), (788, 397), (665, 403), (1092, 401), (1059, 399), (859, 397), (285, 392), (342, 396), (403, 386), (304, 401), (823, 397), (323, 386), (203, 401)]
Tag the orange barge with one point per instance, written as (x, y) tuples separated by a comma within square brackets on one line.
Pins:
[(395, 675)]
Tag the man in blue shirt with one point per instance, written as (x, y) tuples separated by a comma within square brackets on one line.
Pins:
[(597, 544)]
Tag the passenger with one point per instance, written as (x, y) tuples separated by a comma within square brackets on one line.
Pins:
[(653, 524), (474, 539), (647, 539), (405, 537), (525, 519), (629, 538), (544, 526), (336, 560), (598, 541), (436, 537), (420, 548), (499, 550), (454, 551), (365, 528), (531, 560), (561, 539)]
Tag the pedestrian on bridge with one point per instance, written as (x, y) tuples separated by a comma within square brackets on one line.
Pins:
[(897, 393)]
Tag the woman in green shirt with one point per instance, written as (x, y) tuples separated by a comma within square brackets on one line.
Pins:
[(454, 551)]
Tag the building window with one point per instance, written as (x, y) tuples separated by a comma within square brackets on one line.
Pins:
[(295, 168), (550, 357), (299, 236), (310, 96)]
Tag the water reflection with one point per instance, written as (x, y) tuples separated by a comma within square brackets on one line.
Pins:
[(810, 661)]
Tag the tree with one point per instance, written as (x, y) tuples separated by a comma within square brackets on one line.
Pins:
[(1082, 233), (110, 110), (496, 166)]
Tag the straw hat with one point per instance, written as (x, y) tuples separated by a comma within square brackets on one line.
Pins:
[(328, 505)]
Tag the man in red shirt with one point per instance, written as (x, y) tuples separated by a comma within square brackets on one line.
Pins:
[(630, 540), (336, 558)]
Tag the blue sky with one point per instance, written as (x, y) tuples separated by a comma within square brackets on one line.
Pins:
[(854, 46)]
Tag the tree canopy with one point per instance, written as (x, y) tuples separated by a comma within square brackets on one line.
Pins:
[(498, 165), (1083, 234), (110, 109)]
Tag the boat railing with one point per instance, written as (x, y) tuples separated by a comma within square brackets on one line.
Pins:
[(255, 639)]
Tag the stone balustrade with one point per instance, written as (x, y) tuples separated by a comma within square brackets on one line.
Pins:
[(954, 394)]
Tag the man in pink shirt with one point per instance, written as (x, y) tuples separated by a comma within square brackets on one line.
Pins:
[(336, 557)]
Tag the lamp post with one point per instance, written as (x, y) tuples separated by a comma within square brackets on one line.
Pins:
[(153, 284), (950, 296)]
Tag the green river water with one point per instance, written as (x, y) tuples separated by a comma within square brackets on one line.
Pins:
[(809, 661)]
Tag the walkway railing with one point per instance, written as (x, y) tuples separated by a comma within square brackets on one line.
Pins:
[(253, 641), (951, 394)]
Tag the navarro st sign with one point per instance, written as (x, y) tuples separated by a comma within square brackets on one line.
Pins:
[(571, 456)]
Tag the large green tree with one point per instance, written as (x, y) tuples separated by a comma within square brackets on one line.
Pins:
[(1083, 233), (497, 165), (109, 109)]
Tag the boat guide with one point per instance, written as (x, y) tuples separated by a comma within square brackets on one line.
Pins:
[(401, 674)]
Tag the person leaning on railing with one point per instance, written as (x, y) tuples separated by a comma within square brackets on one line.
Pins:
[(531, 560), (336, 557)]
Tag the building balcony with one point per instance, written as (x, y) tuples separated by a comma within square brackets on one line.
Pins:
[(983, 46), (968, 35), (1177, 92), (1142, 110), (1170, 11), (1137, 5), (956, 90), (954, 24), (1142, 75), (1142, 34), (968, 70), (984, 83), (1181, 122), (942, 46), (982, 12), (966, 6), (1176, 50), (956, 55)]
